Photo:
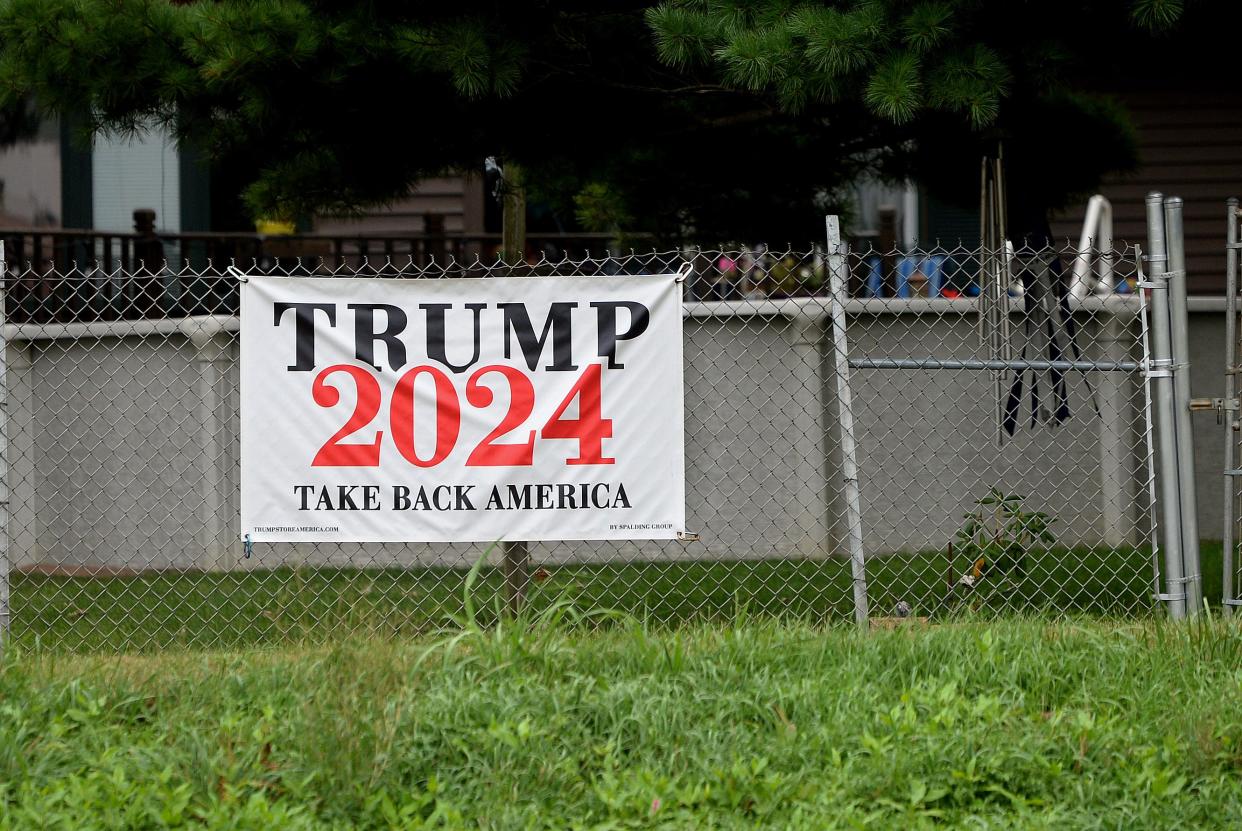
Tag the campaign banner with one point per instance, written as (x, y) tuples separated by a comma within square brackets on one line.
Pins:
[(461, 410)]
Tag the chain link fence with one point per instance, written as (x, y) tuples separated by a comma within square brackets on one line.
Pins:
[(1004, 439), (982, 486)]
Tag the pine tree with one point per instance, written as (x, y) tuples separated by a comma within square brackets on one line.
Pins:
[(898, 58), (949, 81), (720, 118)]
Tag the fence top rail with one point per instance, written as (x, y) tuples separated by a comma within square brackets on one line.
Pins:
[(986, 364), (809, 308)]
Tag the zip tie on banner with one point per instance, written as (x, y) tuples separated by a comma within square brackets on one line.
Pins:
[(248, 547), (682, 273), (240, 275)]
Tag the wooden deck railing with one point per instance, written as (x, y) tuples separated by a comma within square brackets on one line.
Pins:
[(71, 275)]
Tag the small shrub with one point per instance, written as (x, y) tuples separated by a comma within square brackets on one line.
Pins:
[(996, 539)]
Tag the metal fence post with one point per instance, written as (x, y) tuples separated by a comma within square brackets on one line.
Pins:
[(845, 415), (1161, 374), (4, 462), (516, 552), (1231, 394), (1178, 323)]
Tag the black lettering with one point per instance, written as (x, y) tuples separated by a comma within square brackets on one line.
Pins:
[(420, 500), (345, 497), (495, 500), (565, 496), (437, 349), (304, 330), (519, 497), (447, 490), (517, 323), (365, 335), (621, 500), (461, 498), (401, 497), (304, 492), (606, 314), (370, 498), (544, 497)]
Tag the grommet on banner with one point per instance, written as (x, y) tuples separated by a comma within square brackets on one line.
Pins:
[(248, 547), (683, 272), (237, 272)]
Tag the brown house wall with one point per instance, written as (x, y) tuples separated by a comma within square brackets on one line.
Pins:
[(1190, 145), (456, 200)]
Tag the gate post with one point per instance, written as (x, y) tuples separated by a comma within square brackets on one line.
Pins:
[(1160, 371), (1231, 395), (1178, 325), (845, 415)]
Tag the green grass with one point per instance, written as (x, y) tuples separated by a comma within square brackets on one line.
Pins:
[(554, 724), (233, 610)]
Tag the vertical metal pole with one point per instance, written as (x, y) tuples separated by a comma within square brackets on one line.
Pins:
[(513, 218), (1175, 246), (1004, 277), (4, 460), (845, 417), (1231, 394), (1149, 441), (1160, 373)]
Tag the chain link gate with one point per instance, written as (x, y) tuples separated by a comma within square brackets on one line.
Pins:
[(1004, 440), (122, 421)]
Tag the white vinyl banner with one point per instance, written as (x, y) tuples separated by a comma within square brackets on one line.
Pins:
[(462, 410)]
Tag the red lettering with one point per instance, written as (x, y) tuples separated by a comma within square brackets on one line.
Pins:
[(589, 428), (521, 404), (333, 453), (448, 416)]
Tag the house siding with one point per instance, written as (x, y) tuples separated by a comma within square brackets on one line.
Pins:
[(1190, 145), (457, 200)]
